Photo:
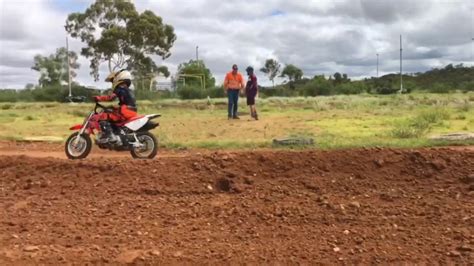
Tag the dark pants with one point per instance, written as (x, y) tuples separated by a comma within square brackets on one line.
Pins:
[(233, 96)]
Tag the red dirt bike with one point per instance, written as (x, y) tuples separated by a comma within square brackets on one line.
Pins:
[(132, 135)]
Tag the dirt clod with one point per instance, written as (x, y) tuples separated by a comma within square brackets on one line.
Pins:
[(129, 256), (31, 248), (223, 184), (468, 179)]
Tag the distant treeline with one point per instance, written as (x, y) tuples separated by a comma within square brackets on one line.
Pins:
[(443, 80)]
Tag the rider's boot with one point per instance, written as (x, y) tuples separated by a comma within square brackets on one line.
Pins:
[(107, 134)]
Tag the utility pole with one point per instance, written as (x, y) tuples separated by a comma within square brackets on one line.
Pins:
[(68, 68), (472, 36), (197, 53), (401, 73), (377, 65)]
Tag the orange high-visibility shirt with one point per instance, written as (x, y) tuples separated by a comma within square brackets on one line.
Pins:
[(234, 82)]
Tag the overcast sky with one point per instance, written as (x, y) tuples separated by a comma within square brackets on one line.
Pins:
[(320, 37)]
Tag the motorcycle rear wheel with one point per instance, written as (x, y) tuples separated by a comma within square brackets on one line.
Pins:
[(150, 148)]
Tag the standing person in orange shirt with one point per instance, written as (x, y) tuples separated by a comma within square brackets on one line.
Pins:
[(233, 84)]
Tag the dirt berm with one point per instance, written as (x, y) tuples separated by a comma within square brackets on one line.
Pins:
[(337, 207)]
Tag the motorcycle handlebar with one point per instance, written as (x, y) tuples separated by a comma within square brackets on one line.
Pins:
[(98, 105)]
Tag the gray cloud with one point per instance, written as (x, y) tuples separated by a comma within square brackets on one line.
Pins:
[(321, 37), (391, 11)]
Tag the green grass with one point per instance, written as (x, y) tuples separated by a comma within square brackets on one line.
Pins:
[(333, 122)]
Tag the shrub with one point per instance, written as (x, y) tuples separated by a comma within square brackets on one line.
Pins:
[(410, 129), (386, 90), (432, 116), (420, 124), (351, 88), (467, 86), (439, 88), (317, 87), (188, 92), (6, 106), (8, 96), (216, 92)]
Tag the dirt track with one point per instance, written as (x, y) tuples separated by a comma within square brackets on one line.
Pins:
[(353, 206)]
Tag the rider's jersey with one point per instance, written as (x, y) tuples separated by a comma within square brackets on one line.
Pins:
[(125, 97)]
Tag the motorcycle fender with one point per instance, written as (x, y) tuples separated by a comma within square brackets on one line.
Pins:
[(76, 127)]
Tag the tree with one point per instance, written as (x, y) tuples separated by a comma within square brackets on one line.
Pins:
[(53, 68), (29, 86), (292, 72), (194, 67), (339, 79), (272, 68), (116, 33), (345, 78), (146, 72)]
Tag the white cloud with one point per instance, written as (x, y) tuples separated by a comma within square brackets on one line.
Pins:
[(321, 37)]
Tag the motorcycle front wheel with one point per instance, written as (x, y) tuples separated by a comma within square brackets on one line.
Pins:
[(149, 147), (78, 147)]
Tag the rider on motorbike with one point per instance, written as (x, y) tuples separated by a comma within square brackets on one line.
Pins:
[(127, 109)]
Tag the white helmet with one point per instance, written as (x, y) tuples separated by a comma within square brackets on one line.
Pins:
[(119, 77)]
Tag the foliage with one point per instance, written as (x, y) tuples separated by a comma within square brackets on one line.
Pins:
[(437, 80), (271, 69), (317, 86), (194, 67), (356, 87), (145, 75), (53, 93), (419, 125), (292, 72), (53, 68), (188, 92), (340, 78), (114, 32)]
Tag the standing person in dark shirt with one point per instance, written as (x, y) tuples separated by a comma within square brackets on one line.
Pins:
[(251, 90)]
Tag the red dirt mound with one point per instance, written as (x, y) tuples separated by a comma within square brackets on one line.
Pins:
[(350, 206)]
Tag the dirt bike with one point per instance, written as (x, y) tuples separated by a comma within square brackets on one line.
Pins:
[(132, 135)]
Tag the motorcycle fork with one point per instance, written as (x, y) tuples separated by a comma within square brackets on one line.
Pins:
[(81, 131)]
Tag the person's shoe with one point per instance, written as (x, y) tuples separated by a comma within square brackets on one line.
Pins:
[(255, 116), (113, 139), (236, 117), (107, 135)]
